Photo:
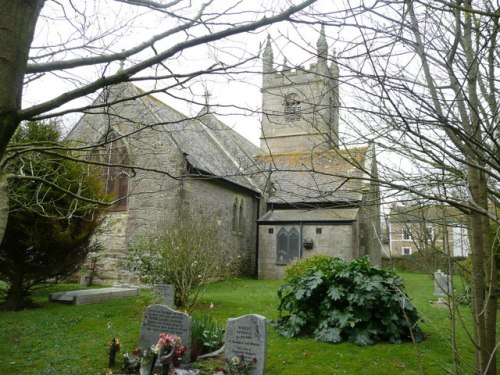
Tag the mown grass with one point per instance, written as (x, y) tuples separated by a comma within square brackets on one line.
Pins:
[(62, 339)]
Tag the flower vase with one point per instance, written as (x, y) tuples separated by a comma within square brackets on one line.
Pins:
[(112, 358), (166, 361)]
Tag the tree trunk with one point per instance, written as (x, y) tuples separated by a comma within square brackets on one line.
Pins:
[(483, 277), (4, 203), (17, 296), (17, 26)]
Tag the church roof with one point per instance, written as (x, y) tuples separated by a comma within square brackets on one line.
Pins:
[(311, 215), (214, 149), (224, 152), (316, 176), (211, 147)]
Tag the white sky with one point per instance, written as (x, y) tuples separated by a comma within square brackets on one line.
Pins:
[(236, 97)]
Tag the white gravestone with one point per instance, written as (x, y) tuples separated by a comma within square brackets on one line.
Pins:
[(161, 319), (165, 294), (247, 336), (442, 284)]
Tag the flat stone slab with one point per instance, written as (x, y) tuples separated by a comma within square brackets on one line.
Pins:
[(81, 297)]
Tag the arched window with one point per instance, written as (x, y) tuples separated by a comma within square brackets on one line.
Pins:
[(287, 246), (292, 110), (114, 156), (241, 217), (293, 244), (236, 215), (282, 247)]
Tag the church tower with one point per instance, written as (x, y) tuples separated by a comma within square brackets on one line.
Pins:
[(300, 106)]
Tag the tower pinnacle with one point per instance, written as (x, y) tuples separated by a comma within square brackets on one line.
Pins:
[(267, 56), (322, 45)]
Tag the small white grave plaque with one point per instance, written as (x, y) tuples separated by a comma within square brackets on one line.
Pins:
[(442, 284)]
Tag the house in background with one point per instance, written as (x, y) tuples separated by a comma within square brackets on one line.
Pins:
[(427, 229), (297, 195)]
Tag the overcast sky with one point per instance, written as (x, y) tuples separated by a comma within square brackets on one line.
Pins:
[(236, 97)]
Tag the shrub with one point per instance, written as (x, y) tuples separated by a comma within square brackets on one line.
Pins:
[(185, 253), (334, 301), (206, 335), (297, 269)]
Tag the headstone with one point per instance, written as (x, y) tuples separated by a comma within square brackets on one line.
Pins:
[(442, 284), (247, 336), (164, 293), (162, 319)]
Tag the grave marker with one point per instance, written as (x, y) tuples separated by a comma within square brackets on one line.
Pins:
[(162, 319), (247, 336), (165, 294), (442, 284)]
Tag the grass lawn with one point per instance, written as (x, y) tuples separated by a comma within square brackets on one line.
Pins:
[(62, 339)]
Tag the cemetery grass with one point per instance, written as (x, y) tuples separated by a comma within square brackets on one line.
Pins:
[(64, 339)]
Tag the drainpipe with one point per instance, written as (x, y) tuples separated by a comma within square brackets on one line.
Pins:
[(300, 240)]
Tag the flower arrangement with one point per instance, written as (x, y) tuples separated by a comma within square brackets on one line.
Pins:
[(238, 366), (166, 344), (132, 362), (168, 349)]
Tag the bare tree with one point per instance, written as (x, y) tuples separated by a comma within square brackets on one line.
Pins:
[(424, 78), (69, 41)]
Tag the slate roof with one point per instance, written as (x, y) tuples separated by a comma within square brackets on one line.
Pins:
[(211, 147), (311, 215), (316, 176)]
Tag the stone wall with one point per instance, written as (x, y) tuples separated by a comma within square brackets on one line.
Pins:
[(335, 240), (315, 128), (215, 199)]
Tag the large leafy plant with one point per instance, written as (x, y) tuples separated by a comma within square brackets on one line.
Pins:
[(336, 301)]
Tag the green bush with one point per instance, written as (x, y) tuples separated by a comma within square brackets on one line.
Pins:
[(187, 253), (54, 212), (297, 269), (206, 335), (335, 301)]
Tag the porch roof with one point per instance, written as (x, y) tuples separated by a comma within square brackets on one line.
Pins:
[(310, 215)]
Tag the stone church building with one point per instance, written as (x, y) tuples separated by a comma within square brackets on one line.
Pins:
[(297, 195)]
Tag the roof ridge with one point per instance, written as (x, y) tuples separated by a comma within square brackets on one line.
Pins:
[(309, 152)]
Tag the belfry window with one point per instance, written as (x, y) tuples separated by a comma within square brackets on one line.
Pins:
[(292, 110), (114, 157)]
